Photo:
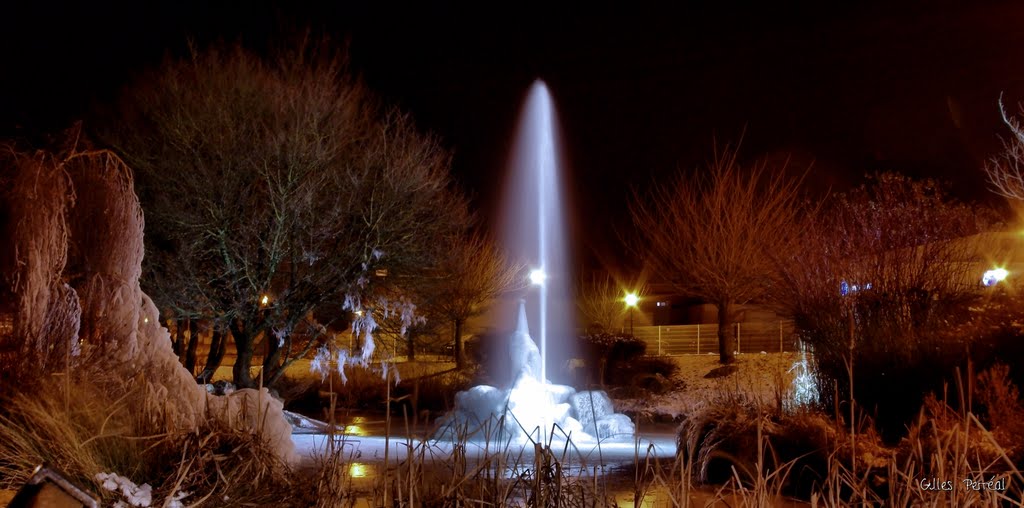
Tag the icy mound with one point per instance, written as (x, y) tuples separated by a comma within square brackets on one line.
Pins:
[(532, 409)]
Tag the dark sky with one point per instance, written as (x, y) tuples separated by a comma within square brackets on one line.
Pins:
[(641, 90)]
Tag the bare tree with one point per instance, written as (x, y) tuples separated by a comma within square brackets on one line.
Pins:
[(600, 303), (275, 187), (716, 234), (474, 273), (882, 273), (1006, 170)]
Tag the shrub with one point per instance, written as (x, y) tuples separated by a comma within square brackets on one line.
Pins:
[(1004, 413), (610, 352), (884, 274), (731, 435), (651, 374)]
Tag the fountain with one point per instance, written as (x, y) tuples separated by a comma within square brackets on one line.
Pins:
[(530, 407), (534, 229)]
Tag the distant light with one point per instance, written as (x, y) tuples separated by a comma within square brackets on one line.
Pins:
[(632, 299), (994, 276), (846, 288), (537, 277), (359, 313), (358, 470), (145, 320), (265, 300)]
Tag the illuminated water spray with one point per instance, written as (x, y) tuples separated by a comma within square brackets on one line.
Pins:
[(528, 407), (534, 226)]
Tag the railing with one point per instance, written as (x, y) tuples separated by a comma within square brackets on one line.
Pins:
[(751, 337)]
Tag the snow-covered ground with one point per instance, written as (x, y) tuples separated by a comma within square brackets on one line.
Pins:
[(759, 376)]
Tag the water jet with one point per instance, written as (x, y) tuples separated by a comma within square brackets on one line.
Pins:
[(531, 407)]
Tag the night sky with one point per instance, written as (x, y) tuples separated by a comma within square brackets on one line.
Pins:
[(641, 91)]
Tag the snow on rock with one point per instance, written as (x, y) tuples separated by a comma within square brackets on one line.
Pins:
[(614, 426), (177, 500), (305, 425), (590, 406), (480, 402), (134, 495), (251, 409)]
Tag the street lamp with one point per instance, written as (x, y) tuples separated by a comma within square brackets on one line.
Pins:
[(631, 300), (994, 276)]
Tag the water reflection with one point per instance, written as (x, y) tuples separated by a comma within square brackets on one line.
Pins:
[(357, 427), (359, 470), (360, 425), (375, 424)]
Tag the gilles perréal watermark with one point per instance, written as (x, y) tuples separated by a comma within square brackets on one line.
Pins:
[(995, 483)]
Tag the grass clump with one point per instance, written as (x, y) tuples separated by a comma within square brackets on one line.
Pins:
[(762, 454), (92, 424)]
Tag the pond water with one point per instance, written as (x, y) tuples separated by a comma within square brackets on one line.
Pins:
[(369, 449), (366, 441), (639, 472)]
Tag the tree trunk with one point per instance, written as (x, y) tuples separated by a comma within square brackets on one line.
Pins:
[(243, 360), (460, 349), (271, 369), (726, 338), (271, 377), (218, 346), (193, 345), (410, 345), (179, 338)]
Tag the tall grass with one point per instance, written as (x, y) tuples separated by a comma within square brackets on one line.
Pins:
[(946, 449), (769, 452), (92, 423), (772, 454), (491, 469)]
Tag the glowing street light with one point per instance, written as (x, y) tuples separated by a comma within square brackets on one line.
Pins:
[(631, 300), (994, 276), (537, 277), (265, 300)]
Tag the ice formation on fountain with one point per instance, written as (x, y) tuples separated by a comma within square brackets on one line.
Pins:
[(531, 409)]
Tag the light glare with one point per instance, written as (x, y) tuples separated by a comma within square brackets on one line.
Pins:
[(991, 277), (358, 470), (537, 277), (632, 299)]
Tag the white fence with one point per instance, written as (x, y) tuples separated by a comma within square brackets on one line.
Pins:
[(751, 337)]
